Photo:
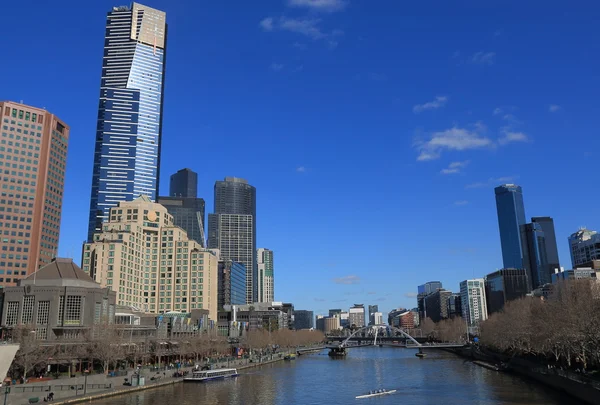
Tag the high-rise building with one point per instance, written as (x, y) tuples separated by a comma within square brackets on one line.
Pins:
[(188, 214), (184, 183), (334, 312), (584, 246), (535, 258), (505, 285), (356, 315), (129, 129), (232, 283), (454, 305), (436, 304), (150, 262), (547, 225), (232, 228), (33, 158), (376, 318), (265, 280), (372, 310), (511, 215), (303, 319), (473, 302), (423, 291)]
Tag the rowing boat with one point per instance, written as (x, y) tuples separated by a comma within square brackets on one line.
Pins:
[(376, 394)]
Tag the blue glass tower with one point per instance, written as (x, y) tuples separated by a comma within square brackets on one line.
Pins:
[(511, 215), (535, 256), (129, 129)]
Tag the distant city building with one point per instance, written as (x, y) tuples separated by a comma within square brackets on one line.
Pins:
[(547, 225), (344, 319), (266, 279), (334, 312), (504, 285), (393, 316), (473, 301), (407, 320), (320, 323), (129, 127), (535, 258), (372, 310), (574, 274), (423, 291), (416, 318), (303, 319), (236, 320), (184, 183), (356, 315), (328, 324), (376, 318), (436, 304), (188, 213), (584, 246), (34, 157), (176, 274), (232, 283), (59, 301), (232, 228), (454, 305), (511, 215)]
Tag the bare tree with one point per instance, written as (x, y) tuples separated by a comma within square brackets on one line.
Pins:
[(31, 352), (107, 346)]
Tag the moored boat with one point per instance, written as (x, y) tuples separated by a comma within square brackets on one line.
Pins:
[(377, 393), (208, 375)]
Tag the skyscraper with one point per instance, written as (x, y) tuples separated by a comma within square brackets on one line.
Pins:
[(372, 310), (232, 283), (422, 292), (265, 280), (232, 228), (184, 183), (473, 302), (33, 157), (535, 258), (129, 129), (511, 215), (547, 224), (584, 246), (187, 210)]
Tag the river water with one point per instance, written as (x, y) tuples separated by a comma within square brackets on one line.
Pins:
[(440, 378)]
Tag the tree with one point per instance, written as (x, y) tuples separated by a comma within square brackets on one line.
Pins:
[(31, 352), (107, 346)]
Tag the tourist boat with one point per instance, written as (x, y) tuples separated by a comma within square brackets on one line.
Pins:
[(376, 394), (290, 357), (208, 375)]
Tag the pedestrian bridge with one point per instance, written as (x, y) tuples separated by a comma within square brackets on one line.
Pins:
[(372, 333)]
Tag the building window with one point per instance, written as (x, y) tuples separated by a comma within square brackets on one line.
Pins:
[(61, 309), (43, 312), (41, 332), (111, 313), (27, 314), (12, 313), (97, 313), (73, 310)]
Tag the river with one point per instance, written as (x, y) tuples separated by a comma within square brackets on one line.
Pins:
[(440, 378)]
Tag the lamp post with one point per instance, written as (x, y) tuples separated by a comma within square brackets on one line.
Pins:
[(6, 392), (86, 372)]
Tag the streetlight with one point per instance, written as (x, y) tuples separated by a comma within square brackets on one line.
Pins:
[(86, 372)]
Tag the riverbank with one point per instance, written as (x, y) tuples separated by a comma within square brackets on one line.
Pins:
[(578, 386)]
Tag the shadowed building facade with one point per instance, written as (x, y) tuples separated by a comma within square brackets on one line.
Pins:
[(511, 216), (33, 158), (129, 127), (505, 285)]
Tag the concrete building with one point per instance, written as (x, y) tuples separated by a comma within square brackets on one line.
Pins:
[(473, 302), (59, 301), (356, 315), (376, 318), (235, 320), (184, 183), (394, 314), (334, 312), (266, 279), (371, 311), (232, 283), (328, 324), (436, 305), (423, 291), (344, 319), (129, 127), (504, 285), (33, 158), (584, 246), (232, 228), (511, 215), (574, 274), (303, 319), (150, 262)]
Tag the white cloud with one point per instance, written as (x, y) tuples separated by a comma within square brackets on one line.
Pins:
[(498, 111), (510, 137), (439, 102), (455, 167), (554, 108), (411, 295), (301, 169), (460, 203), (267, 24), (276, 66), (458, 139), (484, 58), (319, 5), (347, 280)]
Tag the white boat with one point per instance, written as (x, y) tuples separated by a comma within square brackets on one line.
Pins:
[(376, 394), (209, 375)]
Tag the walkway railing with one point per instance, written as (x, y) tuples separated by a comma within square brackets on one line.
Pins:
[(57, 387)]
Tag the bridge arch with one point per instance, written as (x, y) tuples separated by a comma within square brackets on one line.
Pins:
[(376, 328)]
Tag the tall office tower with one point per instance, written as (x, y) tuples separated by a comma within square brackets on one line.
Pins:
[(188, 211), (129, 129), (150, 262), (584, 246), (473, 302), (511, 215), (232, 228), (33, 158), (423, 291), (505, 285), (356, 315), (303, 319), (232, 283), (547, 224), (265, 280), (372, 310), (535, 258), (436, 304), (184, 183)]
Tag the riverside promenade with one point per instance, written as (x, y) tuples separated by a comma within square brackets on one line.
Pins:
[(71, 390)]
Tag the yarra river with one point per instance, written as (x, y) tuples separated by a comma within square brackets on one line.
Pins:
[(440, 378)]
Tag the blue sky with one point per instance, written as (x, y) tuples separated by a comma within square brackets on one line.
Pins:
[(374, 131)]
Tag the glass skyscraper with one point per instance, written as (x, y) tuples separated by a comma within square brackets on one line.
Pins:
[(184, 183), (511, 215), (547, 225), (129, 128), (535, 257)]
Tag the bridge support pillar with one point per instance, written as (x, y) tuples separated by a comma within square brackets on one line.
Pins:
[(337, 352), (420, 354)]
